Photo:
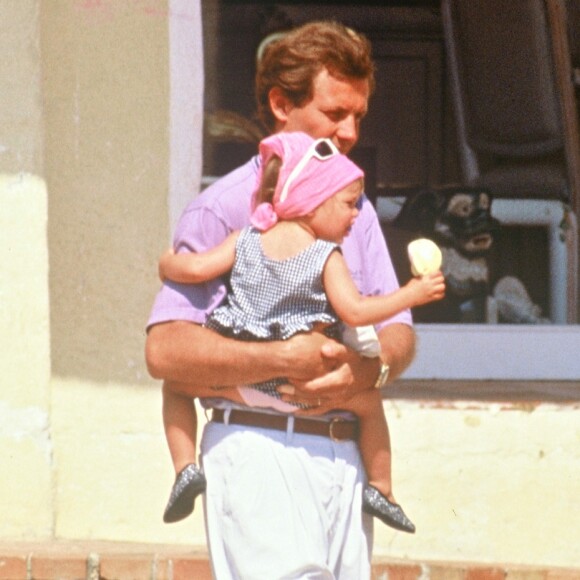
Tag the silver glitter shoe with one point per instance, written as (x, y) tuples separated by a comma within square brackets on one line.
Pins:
[(376, 504), (189, 483)]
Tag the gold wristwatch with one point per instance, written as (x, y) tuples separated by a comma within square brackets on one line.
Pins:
[(383, 376)]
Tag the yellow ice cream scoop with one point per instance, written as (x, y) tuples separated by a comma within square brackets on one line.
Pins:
[(425, 257)]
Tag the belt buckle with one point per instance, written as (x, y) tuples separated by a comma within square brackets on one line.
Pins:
[(331, 429)]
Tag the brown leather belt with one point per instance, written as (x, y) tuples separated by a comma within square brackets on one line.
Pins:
[(337, 429)]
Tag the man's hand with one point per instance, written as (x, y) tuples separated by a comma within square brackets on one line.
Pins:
[(311, 356), (347, 373), (343, 373)]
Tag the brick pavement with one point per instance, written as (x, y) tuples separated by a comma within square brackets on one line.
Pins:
[(69, 560)]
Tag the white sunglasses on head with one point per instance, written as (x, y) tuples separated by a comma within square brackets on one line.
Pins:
[(321, 149)]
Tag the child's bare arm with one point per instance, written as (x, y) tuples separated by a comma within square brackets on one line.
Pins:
[(195, 268), (357, 310)]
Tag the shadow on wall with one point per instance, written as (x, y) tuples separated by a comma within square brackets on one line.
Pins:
[(105, 73)]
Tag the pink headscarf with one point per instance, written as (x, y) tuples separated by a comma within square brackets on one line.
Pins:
[(317, 181)]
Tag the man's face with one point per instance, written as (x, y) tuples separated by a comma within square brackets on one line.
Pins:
[(335, 111)]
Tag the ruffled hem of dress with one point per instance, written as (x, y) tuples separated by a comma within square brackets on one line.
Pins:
[(272, 331)]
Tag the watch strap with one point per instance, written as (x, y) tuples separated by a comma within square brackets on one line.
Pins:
[(383, 376)]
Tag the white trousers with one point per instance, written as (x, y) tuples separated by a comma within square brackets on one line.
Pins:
[(283, 506)]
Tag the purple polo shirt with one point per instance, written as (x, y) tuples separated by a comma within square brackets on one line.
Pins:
[(224, 207)]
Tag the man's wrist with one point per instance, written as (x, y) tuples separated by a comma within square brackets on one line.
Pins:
[(369, 369), (398, 347)]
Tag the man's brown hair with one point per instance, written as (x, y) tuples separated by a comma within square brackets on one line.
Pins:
[(292, 61), (269, 181)]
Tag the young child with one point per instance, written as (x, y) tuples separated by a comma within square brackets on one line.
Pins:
[(288, 275)]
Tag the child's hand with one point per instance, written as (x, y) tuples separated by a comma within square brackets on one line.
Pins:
[(428, 288), (162, 263)]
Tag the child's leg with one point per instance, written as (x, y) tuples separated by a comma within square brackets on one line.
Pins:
[(180, 423), (375, 448), (374, 440)]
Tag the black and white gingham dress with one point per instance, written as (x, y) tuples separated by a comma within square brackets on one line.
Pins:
[(274, 299)]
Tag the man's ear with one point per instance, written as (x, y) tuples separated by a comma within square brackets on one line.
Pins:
[(279, 104)]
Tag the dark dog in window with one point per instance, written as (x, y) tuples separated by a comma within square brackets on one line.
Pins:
[(459, 221)]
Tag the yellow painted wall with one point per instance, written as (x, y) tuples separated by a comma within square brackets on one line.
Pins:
[(26, 460), (486, 482), (83, 198)]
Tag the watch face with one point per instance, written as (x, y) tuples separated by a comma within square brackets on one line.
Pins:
[(383, 376)]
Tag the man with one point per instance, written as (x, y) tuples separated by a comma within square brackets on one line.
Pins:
[(283, 496)]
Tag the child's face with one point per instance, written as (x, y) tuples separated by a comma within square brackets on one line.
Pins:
[(334, 219)]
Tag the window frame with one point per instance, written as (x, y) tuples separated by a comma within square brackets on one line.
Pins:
[(506, 352)]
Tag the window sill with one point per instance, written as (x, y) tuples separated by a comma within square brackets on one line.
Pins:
[(490, 391)]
